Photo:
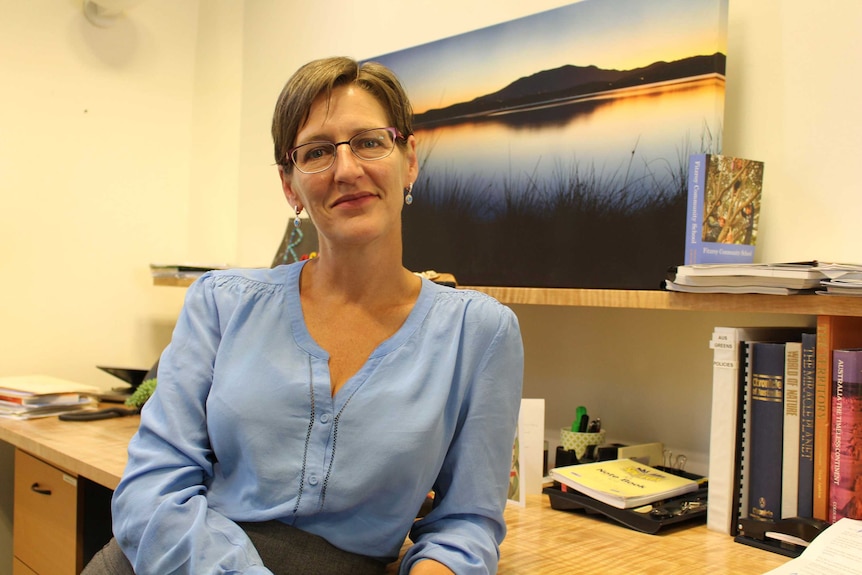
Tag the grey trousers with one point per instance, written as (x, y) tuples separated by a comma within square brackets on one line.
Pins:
[(285, 550)]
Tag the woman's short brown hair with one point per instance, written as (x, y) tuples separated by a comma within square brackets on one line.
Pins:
[(321, 77)]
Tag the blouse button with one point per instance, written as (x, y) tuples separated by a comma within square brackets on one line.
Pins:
[(312, 480), (324, 418)]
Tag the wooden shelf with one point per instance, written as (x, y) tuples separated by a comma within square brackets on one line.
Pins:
[(663, 300), (184, 281), (653, 299)]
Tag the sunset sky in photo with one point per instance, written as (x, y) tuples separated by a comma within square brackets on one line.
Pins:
[(611, 34)]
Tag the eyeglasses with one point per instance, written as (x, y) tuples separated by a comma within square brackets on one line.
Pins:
[(368, 145)]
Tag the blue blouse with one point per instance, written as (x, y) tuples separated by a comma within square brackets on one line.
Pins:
[(243, 427)]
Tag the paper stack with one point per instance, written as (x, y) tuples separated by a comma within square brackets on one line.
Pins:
[(31, 396), (841, 279), (778, 279)]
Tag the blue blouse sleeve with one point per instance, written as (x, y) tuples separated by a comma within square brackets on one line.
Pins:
[(466, 526), (161, 518)]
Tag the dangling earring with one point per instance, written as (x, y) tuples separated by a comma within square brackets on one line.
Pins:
[(408, 198), (297, 221)]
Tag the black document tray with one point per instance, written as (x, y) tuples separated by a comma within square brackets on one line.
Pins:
[(644, 522)]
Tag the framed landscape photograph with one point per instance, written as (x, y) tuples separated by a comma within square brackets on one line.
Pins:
[(554, 148)]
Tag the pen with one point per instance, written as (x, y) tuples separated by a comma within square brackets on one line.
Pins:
[(585, 422)]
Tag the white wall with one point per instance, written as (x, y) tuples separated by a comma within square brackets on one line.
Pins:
[(215, 147), (95, 160), (149, 141), (792, 100)]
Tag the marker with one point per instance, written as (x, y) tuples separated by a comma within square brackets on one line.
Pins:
[(580, 414)]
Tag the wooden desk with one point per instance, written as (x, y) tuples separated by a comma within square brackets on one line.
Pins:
[(92, 449), (541, 541)]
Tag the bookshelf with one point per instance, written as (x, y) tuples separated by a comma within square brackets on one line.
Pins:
[(662, 300), (813, 305)]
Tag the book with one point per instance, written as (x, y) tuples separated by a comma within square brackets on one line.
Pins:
[(623, 483), (14, 399), (774, 279), (842, 279), (839, 287), (833, 332), (845, 491), (35, 386), (804, 500), (769, 273), (723, 208), (767, 429), (13, 411), (760, 289), (842, 282), (794, 276), (805, 270), (747, 281), (790, 442), (743, 461), (727, 421)]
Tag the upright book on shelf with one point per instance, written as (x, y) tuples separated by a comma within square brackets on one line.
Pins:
[(723, 209), (767, 425), (833, 332), (804, 501), (790, 445), (727, 422), (845, 491)]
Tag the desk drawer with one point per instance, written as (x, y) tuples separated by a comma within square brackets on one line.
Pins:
[(44, 536)]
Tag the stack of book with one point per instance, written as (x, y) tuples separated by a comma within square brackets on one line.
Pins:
[(786, 428), (777, 279), (767, 278), (841, 279), (32, 396), (182, 271)]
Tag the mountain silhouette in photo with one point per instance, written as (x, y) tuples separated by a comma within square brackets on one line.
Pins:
[(569, 83)]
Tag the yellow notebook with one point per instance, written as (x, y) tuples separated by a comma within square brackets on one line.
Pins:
[(623, 483)]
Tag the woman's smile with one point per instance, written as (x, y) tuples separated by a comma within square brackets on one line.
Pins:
[(353, 201)]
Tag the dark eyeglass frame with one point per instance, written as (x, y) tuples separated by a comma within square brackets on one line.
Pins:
[(396, 137)]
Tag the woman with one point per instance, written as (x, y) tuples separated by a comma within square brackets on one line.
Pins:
[(303, 413)]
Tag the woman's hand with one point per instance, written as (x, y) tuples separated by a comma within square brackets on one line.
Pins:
[(430, 567)]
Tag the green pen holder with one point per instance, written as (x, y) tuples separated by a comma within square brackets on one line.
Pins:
[(578, 441)]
